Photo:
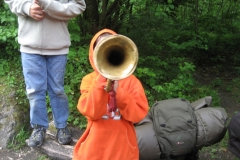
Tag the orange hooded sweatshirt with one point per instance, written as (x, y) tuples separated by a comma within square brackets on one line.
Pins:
[(109, 139)]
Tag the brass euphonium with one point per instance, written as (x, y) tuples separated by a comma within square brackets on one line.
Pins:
[(115, 57)]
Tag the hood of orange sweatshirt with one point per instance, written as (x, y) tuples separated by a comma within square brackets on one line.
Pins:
[(91, 48)]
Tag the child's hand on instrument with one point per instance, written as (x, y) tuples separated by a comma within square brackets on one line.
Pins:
[(115, 86), (101, 81)]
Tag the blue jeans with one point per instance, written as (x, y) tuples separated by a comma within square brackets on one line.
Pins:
[(45, 74)]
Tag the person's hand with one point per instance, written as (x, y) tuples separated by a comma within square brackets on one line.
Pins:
[(115, 86), (101, 81), (36, 12)]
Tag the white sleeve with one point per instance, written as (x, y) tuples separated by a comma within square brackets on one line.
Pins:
[(63, 9), (19, 7)]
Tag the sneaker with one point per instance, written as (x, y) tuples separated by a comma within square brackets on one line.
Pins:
[(64, 136), (37, 136)]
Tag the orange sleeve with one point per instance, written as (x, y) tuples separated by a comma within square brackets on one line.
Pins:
[(93, 99), (131, 99)]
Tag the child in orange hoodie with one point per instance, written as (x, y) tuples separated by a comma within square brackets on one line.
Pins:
[(109, 138)]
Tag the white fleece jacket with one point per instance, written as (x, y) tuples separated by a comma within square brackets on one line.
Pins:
[(49, 36)]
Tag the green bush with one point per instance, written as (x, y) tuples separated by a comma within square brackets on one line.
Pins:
[(77, 67), (164, 68)]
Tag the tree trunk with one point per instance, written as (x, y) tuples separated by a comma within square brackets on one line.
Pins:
[(101, 14)]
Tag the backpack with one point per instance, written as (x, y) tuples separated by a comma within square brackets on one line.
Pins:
[(175, 126)]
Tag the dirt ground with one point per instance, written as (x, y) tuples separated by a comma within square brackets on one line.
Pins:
[(228, 101)]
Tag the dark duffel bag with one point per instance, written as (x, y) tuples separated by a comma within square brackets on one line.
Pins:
[(234, 135), (147, 141)]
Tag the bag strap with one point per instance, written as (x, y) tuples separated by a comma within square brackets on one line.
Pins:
[(162, 156), (194, 155), (203, 102)]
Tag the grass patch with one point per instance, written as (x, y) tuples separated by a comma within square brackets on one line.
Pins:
[(19, 140)]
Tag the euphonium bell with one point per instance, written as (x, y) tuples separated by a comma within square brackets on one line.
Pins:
[(115, 57)]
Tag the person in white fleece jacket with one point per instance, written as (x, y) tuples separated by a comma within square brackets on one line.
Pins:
[(44, 44)]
